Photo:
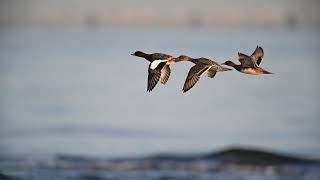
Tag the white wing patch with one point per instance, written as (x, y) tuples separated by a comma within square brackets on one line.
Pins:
[(155, 63)]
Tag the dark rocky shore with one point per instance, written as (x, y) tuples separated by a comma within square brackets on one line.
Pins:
[(241, 156)]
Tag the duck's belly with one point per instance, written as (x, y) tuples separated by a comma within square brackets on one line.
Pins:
[(250, 71)]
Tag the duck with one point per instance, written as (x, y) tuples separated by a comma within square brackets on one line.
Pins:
[(159, 67), (202, 66), (249, 64)]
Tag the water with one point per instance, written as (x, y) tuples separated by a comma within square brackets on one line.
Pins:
[(80, 92), (79, 167)]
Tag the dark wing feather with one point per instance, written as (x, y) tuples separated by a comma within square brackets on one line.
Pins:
[(153, 78), (257, 55), (165, 74), (245, 60), (194, 75)]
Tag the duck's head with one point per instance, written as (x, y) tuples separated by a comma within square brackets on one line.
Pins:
[(229, 63), (139, 54), (183, 58)]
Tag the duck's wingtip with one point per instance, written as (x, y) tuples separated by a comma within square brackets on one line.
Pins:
[(185, 90)]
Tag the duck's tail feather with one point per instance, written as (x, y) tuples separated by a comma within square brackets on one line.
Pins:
[(267, 72)]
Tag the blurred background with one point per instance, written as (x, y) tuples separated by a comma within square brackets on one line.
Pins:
[(68, 84)]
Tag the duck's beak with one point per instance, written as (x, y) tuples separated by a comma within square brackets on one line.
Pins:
[(132, 54), (223, 63)]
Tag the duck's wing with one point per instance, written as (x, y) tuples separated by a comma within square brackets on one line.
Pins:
[(257, 55), (215, 67), (158, 64), (194, 75), (153, 78), (165, 74), (154, 75), (245, 60), (211, 73)]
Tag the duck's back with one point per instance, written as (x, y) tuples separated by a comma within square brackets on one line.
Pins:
[(159, 56), (214, 64)]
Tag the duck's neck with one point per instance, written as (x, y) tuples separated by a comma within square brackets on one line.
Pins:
[(238, 67), (186, 59), (232, 64), (193, 60)]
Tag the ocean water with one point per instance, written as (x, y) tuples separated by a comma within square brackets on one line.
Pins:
[(79, 92)]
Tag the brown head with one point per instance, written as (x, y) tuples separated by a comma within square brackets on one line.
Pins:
[(229, 63), (139, 54), (183, 58)]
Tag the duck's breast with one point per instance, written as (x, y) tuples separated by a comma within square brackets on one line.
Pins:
[(251, 71)]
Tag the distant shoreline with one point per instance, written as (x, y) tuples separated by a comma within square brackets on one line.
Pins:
[(236, 155), (235, 160)]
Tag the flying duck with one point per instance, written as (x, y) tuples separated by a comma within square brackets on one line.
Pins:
[(249, 64), (202, 65), (158, 67)]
